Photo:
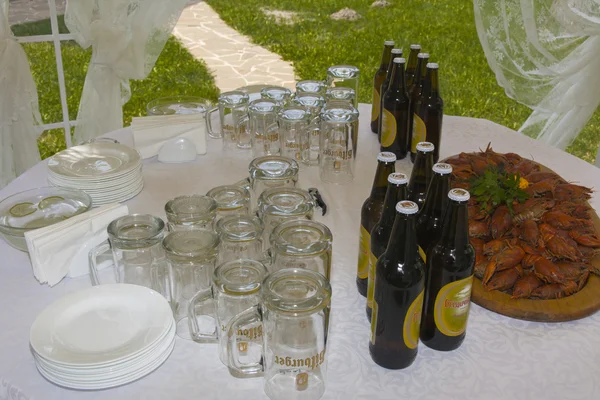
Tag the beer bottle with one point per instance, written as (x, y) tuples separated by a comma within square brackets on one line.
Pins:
[(396, 53), (411, 66), (394, 118), (398, 299), (429, 112), (421, 173), (377, 81), (429, 221), (450, 264), (370, 214), (414, 92), (380, 234)]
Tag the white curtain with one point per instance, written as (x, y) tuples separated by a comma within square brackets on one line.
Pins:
[(546, 55), (19, 113), (126, 36)]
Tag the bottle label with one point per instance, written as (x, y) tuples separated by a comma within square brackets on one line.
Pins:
[(419, 133), (451, 308), (412, 322), (364, 247), (422, 254), (376, 104), (372, 273), (388, 128), (374, 321)]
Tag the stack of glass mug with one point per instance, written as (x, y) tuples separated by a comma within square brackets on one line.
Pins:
[(247, 268), (316, 125)]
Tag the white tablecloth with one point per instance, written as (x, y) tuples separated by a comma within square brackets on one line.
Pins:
[(501, 358)]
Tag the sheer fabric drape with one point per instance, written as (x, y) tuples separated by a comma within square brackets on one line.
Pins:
[(19, 113), (546, 55), (126, 37)]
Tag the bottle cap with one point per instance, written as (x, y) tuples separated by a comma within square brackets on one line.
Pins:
[(423, 55), (407, 207), (415, 47), (389, 43), (397, 178), (397, 51), (459, 195), (432, 65), (442, 168), (425, 147), (399, 60), (386, 156)]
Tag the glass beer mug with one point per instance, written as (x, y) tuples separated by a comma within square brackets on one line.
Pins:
[(344, 76), (192, 212), (232, 107), (270, 172), (138, 257), (264, 131), (301, 244), (339, 139), (293, 131), (235, 288), (294, 313), (231, 200), (241, 237)]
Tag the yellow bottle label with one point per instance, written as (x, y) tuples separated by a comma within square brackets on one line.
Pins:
[(388, 128), (419, 132), (364, 248), (376, 104), (451, 308), (374, 321), (422, 254), (371, 286), (412, 322)]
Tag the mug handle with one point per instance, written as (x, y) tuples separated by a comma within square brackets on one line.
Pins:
[(204, 300), (250, 316), (207, 117), (93, 260)]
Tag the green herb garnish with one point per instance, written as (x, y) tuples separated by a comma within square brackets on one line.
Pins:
[(496, 187)]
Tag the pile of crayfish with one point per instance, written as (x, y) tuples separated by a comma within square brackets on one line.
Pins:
[(542, 249)]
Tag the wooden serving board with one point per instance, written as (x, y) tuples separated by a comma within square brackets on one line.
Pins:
[(582, 304)]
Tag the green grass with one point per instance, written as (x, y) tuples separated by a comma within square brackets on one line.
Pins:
[(176, 73), (445, 28)]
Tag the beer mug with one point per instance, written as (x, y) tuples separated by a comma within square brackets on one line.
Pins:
[(314, 104), (293, 131), (344, 76), (192, 256), (190, 212), (344, 94), (294, 313), (283, 204), (232, 107), (302, 244), (270, 172), (279, 94), (339, 138), (231, 200), (311, 86), (264, 131), (234, 288), (138, 257), (241, 237)]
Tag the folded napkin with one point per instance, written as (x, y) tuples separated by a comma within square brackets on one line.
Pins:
[(150, 133), (62, 249)]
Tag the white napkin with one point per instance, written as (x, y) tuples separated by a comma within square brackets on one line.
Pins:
[(150, 133), (62, 249)]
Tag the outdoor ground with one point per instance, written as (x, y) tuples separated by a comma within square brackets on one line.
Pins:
[(445, 28), (304, 34)]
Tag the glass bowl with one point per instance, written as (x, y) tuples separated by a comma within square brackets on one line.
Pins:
[(38, 208), (178, 105)]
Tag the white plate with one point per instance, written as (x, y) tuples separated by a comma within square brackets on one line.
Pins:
[(105, 323), (141, 357), (96, 201), (89, 184), (96, 161), (109, 383)]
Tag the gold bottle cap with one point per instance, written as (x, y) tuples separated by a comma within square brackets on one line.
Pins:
[(442, 168), (397, 178), (386, 156), (407, 207), (459, 195), (425, 147)]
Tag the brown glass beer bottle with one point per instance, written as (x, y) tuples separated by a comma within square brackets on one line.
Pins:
[(421, 173), (429, 112), (394, 118), (380, 75)]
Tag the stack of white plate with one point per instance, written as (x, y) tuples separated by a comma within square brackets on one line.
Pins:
[(108, 172), (103, 336)]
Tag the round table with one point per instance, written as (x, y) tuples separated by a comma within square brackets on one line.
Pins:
[(501, 358)]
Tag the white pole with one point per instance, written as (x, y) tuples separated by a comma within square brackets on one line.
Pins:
[(60, 71)]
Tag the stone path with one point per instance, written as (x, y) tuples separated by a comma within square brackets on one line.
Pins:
[(232, 58)]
